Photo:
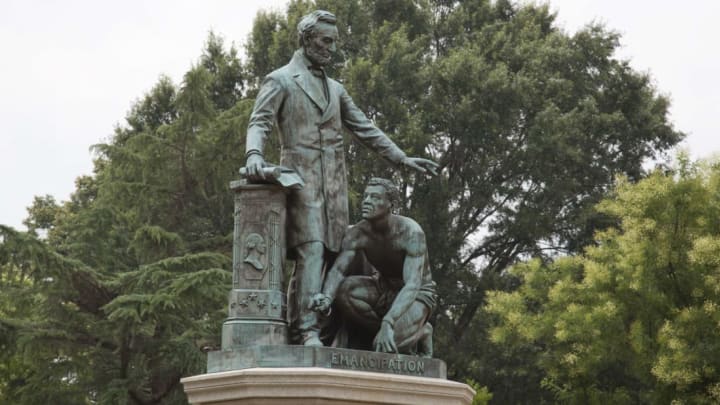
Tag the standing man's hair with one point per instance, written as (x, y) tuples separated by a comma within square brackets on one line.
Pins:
[(393, 192), (307, 24)]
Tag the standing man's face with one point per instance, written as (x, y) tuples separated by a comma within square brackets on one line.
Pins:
[(375, 203), (320, 46)]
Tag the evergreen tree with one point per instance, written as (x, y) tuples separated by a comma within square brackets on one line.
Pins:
[(129, 284)]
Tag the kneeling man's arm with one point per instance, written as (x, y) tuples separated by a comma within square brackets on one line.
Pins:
[(321, 302), (338, 271), (412, 277)]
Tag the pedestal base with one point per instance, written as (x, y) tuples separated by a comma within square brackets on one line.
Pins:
[(238, 333), (269, 386), (298, 356)]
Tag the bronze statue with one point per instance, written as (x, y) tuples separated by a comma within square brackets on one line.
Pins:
[(395, 303), (310, 110)]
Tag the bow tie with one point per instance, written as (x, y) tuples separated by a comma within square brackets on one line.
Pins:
[(316, 71)]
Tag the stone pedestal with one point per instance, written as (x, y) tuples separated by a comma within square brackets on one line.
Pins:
[(269, 386), (256, 303), (297, 356)]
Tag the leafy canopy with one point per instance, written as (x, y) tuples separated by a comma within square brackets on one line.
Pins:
[(633, 319)]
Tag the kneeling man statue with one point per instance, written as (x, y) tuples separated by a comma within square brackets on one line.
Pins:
[(395, 302)]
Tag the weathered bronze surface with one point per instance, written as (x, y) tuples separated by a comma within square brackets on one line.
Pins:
[(310, 110), (395, 302), (300, 210), (256, 304), (325, 357)]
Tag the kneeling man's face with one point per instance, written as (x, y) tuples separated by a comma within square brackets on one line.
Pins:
[(375, 203)]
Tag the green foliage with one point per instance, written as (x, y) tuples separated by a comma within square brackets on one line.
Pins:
[(41, 214), (129, 284), (482, 395), (530, 125), (635, 318)]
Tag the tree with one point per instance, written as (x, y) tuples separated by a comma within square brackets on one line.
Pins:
[(634, 319), (129, 284), (529, 124)]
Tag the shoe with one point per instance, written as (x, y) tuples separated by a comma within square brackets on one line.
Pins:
[(312, 340)]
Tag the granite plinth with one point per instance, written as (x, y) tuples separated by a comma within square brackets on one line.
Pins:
[(270, 386), (277, 356), (239, 332)]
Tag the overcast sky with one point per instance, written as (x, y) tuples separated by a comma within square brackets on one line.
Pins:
[(70, 71)]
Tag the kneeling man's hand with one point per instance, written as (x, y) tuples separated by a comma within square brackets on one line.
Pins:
[(321, 303), (385, 339)]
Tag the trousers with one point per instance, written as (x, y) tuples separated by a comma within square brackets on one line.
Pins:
[(312, 261)]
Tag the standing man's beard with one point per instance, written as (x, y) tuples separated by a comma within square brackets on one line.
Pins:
[(317, 58)]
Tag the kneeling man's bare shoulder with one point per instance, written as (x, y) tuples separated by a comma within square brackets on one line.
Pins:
[(413, 236)]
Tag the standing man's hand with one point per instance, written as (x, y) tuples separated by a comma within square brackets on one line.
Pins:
[(421, 165), (254, 164), (321, 304)]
